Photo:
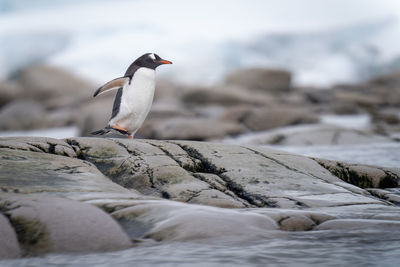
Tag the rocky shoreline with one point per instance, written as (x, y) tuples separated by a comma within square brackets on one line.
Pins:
[(92, 194), (246, 101)]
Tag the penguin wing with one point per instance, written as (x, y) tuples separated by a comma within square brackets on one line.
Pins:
[(113, 84)]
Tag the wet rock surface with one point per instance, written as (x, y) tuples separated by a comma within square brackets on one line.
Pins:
[(93, 194)]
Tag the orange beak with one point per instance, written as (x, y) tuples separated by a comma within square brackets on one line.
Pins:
[(165, 62)]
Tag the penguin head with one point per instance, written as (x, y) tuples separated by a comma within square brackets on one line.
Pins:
[(151, 61)]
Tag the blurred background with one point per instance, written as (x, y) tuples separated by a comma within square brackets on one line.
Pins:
[(320, 78)]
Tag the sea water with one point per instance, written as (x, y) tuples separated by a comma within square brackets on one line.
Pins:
[(315, 248)]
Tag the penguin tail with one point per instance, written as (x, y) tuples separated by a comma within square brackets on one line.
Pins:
[(110, 129), (102, 131)]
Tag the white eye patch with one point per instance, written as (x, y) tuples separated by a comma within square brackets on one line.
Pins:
[(152, 56)]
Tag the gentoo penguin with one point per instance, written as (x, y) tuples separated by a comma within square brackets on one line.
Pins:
[(134, 97)]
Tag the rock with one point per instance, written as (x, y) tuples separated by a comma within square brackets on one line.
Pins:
[(390, 194), (386, 80), (159, 113), (225, 96), (213, 197), (363, 176), (38, 144), (22, 115), (46, 224), (150, 171), (61, 117), (166, 110), (356, 98), (94, 115), (54, 169), (277, 116), (317, 134), (195, 129), (297, 223), (168, 221), (266, 80), (317, 96), (388, 116), (53, 190), (9, 91), (9, 247), (183, 171), (44, 83), (168, 91), (296, 220)]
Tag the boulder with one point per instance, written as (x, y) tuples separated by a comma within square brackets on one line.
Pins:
[(9, 91), (9, 247), (387, 116), (297, 220), (225, 96), (48, 224), (265, 80), (356, 98), (46, 83), (168, 91), (22, 115), (159, 113), (195, 129), (363, 176), (94, 114), (277, 116), (169, 221), (307, 135)]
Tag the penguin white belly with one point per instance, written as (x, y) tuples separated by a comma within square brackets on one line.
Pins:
[(136, 101)]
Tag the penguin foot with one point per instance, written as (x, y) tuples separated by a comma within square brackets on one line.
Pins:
[(120, 129), (130, 136)]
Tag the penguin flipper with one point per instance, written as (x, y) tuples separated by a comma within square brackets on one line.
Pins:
[(113, 84)]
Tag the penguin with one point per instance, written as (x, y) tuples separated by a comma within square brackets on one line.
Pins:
[(134, 96)]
